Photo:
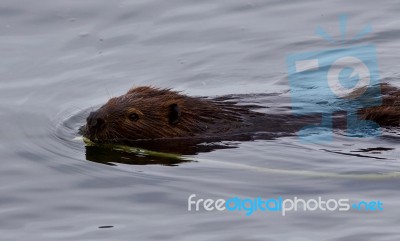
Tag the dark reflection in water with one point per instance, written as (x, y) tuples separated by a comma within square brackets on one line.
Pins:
[(375, 150), (169, 152), (110, 156), (357, 155), (106, 226)]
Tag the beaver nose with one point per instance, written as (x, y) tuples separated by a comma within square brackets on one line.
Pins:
[(95, 123)]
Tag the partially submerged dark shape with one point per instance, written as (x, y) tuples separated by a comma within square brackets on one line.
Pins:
[(168, 121)]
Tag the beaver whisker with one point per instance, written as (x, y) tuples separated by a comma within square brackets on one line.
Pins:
[(116, 135)]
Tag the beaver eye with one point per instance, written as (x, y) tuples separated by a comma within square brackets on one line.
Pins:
[(133, 117)]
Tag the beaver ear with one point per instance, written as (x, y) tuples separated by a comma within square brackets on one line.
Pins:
[(174, 114)]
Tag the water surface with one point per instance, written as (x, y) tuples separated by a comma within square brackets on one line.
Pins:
[(61, 59)]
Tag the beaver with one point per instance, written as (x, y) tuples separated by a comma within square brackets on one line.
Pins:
[(388, 113), (149, 113)]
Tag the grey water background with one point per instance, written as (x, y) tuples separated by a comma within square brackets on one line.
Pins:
[(61, 58)]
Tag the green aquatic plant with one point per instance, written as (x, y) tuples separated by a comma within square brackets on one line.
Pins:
[(136, 150)]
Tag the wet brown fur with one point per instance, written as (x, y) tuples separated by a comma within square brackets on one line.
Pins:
[(204, 117), (199, 116), (387, 114)]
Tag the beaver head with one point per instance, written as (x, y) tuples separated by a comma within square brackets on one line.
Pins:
[(151, 113)]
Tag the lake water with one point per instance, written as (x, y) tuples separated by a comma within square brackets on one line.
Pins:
[(60, 59)]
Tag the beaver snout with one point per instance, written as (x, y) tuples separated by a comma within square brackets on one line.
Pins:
[(95, 123)]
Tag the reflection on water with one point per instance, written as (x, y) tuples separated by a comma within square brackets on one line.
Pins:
[(110, 157)]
